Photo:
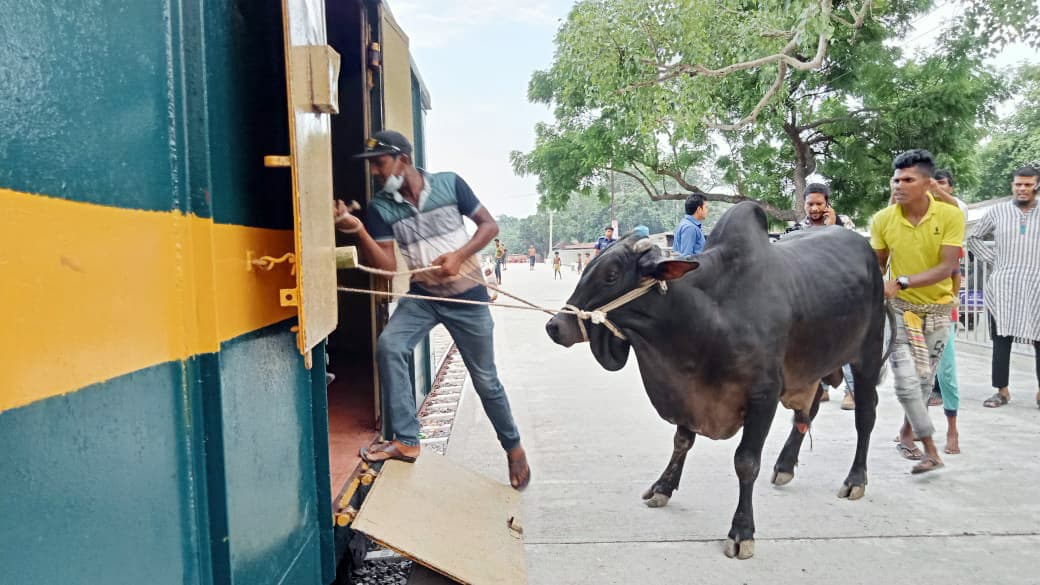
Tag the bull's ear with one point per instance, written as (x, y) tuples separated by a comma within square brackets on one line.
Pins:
[(672, 268)]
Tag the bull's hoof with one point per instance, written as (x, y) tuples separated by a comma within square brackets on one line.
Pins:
[(852, 492), (782, 478), (653, 499), (743, 550)]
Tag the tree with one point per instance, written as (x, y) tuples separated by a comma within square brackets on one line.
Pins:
[(582, 219), (758, 96), (1015, 142)]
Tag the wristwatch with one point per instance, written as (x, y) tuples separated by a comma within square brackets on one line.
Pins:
[(904, 282)]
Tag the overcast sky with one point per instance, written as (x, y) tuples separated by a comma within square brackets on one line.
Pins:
[(476, 58)]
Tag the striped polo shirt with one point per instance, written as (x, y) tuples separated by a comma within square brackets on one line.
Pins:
[(433, 228)]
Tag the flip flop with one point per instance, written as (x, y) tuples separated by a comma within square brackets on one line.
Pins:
[(382, 452), (926, 465), (997, 400), (911, 453)]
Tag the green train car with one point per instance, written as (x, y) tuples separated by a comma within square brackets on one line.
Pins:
[(168, 270)]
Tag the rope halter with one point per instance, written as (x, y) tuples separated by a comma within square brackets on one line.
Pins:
[(599, 316)]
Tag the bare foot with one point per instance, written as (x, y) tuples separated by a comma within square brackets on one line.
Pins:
[(519, 470), (953, 445)]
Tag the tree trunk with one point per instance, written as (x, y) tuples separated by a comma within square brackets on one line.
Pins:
[(805, 163)]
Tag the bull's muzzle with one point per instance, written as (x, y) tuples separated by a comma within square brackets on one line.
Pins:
[(563, 329)]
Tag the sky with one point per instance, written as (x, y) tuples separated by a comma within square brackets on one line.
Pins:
[(476, 58)]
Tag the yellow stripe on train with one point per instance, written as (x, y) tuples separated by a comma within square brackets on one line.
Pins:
[(91, 292)]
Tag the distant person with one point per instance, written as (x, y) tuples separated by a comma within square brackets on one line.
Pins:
[(500, 254), (689, 234), (918, 239), (588, 258), (605, 241), (1012, 293), (556, 266), (505, 257), (579, 263), (531, 252)]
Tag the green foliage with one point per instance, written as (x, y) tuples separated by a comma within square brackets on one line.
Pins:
[(631, 89), (582, 219), (1016, 141)]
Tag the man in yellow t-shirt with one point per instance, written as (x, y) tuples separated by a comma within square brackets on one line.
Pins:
[(918, 241)]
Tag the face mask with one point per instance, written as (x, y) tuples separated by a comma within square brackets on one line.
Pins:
[(393, 185)]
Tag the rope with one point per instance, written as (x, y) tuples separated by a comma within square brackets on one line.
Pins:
[(597, 316)]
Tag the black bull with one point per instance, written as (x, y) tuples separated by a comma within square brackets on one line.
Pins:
[(740, 327)]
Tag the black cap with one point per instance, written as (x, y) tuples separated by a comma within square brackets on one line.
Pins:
[(386, 142)]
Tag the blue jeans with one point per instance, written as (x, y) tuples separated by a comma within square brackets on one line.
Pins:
[(471, 328), (850, 384)]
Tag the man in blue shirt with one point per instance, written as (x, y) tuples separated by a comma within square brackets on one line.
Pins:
[(605, 240), (689, 237)]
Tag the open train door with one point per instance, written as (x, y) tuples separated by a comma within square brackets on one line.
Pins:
[(312, 72), (460, 524)]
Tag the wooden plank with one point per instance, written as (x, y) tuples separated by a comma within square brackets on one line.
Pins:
[(420, 575), (448, 519)]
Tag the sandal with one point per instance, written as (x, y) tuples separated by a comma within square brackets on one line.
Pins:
[(997, 400), (926, 465), (911, 453), (383, 451)]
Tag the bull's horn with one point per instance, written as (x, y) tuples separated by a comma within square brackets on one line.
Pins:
[(643, 245)]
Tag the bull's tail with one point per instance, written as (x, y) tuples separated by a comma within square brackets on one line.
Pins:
[(892, 337)]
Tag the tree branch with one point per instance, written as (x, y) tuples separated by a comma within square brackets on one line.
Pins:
[(786, 58), (781, 73), (646, 188), (850, 116)]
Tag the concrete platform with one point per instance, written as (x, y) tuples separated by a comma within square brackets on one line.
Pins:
[(595, 444)]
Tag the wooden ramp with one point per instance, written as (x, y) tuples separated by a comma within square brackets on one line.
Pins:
[(458, 523)]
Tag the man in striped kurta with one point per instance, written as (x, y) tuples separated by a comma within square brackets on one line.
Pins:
[(1012, 293)]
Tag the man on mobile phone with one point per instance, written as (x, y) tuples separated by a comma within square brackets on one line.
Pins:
[(818, 210), (819, 213)]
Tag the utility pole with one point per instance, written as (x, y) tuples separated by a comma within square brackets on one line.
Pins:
[(611, 197), (550, 248)]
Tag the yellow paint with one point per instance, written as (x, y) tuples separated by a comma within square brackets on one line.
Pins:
[(92, 292)]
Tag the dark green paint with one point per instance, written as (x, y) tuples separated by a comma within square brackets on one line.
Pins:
[(247, 113), (87, 99), (320, 413), (268, 451), (147, 105), (97, 485), (206, 471)]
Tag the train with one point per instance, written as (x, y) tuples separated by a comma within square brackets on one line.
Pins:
[(170, 314)]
